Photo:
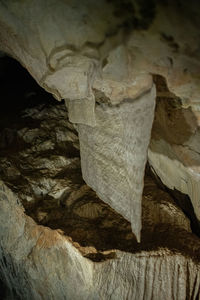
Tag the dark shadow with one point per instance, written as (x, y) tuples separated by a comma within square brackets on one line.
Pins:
[(3, 291)]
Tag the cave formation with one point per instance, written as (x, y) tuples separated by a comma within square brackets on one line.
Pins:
[(99, 150)]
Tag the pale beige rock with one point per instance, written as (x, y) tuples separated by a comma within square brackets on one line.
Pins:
[(82, 111), (170, 49), (69, 43), (88, 251), (73, 49), (39, 263), (174, 151), (113, 154), (174, 173), (61, 42)]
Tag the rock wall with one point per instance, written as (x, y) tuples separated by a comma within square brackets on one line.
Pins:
[(58, 240), (79, 62), (174, 149), (85, 53), (40, 263), (105, 60)]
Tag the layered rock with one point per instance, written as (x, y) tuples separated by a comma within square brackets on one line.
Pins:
[(102, 58), (71, 245), (113, 154), (68, 49), (85, 52), (174, 151)]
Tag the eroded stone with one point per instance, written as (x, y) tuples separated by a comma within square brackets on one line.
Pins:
[(76, 237)]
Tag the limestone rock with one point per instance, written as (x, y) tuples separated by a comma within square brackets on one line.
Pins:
[(72, 245), (37, 262), (79, 51), (174, 152), (113, 154), (72, 49), (41, 152)]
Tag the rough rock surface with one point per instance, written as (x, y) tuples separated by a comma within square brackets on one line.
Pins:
[(174, 151), (72, 49), (113, 154), (84, 52), (102, 58), (88, 250)]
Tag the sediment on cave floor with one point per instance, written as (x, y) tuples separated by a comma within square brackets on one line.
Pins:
[(40, 162)]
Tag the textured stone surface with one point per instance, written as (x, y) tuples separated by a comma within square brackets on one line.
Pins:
[(77, 51), (80, 51), (39, 263), (44, 139), (88, 251), (40, 160), (113, 154), (174, 151), (86, 52)]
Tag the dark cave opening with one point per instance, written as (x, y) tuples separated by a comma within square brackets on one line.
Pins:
[(40, 163)]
